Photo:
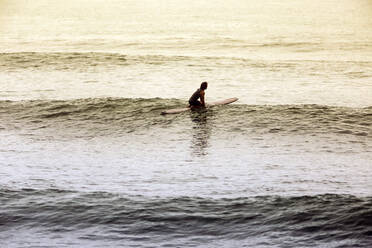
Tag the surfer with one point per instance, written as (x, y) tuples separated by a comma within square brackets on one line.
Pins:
[(199, 93)]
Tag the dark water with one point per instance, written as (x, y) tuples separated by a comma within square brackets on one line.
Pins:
[(70, 218)]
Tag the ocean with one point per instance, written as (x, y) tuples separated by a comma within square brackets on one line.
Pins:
[(87, 159)]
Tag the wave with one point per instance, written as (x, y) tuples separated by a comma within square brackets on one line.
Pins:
[(311, 219), (75, 60), (129, 115), (67, 61)]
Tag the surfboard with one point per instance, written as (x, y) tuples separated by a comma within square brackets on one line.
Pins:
[(180, 110)]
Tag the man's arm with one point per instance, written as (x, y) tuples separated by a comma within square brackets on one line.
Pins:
[(202, 93)]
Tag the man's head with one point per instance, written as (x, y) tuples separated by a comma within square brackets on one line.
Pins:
[(204, 86)]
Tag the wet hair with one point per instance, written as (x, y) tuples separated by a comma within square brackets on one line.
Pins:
[(203, 85)]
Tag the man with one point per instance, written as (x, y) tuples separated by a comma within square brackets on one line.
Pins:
[(199, 93)]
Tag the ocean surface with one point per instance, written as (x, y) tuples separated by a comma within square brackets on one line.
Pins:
[(86, 159)]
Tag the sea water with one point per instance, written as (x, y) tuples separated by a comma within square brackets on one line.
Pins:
[(86, 159)]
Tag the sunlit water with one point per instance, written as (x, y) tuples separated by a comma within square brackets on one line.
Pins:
[(87, 160)]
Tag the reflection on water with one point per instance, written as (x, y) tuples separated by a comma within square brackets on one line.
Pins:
[(201, 132)]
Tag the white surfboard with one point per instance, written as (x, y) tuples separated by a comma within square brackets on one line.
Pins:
[(180, 110)]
